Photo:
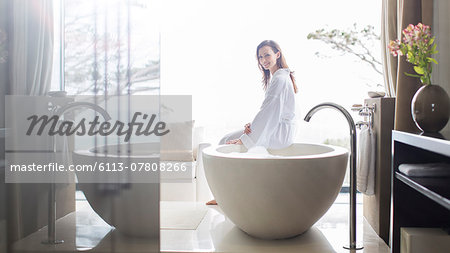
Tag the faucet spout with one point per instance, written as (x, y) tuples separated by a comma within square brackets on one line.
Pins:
[(347, 115), (352, 245), (71, 106)]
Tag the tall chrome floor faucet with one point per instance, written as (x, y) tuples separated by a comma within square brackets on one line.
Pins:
[(59, 111), (352, 245)]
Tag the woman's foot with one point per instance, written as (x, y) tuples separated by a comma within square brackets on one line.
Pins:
[(236, 141), (211, 202)]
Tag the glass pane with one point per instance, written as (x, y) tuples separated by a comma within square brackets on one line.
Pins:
[(111, 47)]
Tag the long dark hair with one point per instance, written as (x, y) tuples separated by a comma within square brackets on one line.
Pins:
[(281, 63)]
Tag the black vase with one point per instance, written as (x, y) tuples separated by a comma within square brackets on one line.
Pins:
[(430, 108)]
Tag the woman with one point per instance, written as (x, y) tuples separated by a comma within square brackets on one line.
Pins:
[(273, 126)]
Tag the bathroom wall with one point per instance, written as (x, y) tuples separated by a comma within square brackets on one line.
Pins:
[(3, 80), (3, 66), (376, 208), (441, 29)]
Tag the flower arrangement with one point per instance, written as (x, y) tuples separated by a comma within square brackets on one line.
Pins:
[(418, 46), (3, 51)]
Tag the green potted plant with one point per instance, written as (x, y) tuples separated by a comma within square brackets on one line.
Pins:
[(430, 104)]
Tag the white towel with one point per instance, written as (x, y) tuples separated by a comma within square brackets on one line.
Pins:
[(366, 161), (425, 169)]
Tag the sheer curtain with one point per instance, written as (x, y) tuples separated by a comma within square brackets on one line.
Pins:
[(397, 14), (389, 32), (31, 47), (30, 60)]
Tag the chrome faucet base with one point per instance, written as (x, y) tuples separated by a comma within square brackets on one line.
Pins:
[(354, 247), (52, 242)]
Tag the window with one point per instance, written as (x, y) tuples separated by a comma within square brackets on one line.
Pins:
[(111, 47)]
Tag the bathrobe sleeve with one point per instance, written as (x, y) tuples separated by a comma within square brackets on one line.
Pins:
[(268, 118)]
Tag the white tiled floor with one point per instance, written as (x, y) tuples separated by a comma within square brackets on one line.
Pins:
[(84, 230), (217, 233)]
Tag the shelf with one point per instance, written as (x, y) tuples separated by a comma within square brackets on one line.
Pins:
[(437, 189), (439, 145), (418, 201)]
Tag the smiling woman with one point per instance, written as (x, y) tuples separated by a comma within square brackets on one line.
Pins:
[(273, 126), (271, 59)]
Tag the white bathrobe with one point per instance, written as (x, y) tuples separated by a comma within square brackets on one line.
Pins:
[(273, 126)]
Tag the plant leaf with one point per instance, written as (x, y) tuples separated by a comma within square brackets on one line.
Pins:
[(411, 75), (434, 47), (418, 70), (432, 60)]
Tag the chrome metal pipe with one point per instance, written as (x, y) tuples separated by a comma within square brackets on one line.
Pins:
[(52, 213), (51, 228), (352, 245), (59, 111)]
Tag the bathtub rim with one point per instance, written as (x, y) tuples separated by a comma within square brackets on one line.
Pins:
[(90, 152), (336, 151)]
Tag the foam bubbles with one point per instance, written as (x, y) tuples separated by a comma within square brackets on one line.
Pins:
[(259, 150), (254, 152)]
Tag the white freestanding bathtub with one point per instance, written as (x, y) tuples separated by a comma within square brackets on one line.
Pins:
[(275, 197), (134, 209)]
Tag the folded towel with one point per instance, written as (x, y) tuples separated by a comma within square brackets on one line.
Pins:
[(425, 169), (366, 161)]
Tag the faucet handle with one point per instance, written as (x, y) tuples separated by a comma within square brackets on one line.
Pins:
[(359, 124), (365, 114), (52, 107), (357, 107)]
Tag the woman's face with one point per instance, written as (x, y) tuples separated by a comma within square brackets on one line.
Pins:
[(268, 59)]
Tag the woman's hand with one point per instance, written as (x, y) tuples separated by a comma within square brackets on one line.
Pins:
[(247, 129), (236, 141)]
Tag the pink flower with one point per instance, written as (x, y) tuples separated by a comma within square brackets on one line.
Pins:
[(408, 36), (427, 30), (416, 45), (394, 47), (417, 34), (408, 31)]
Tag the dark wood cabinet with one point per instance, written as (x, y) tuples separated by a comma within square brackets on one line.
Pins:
[(418, 201)]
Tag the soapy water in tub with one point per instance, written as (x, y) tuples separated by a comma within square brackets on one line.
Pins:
[(254, 152), (303, 151)]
